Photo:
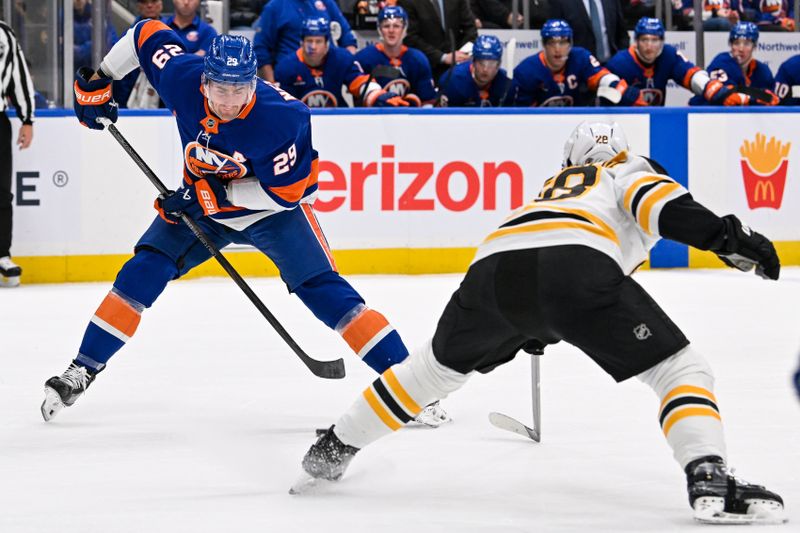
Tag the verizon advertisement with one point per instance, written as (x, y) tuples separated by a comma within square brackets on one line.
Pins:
[(436, 181), (754, 171), (386, 181)]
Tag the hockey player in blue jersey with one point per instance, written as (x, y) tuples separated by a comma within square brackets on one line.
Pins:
[(787, 81), (480, 82), (649, 64), (413, 80), (316, 73), (740, 68), (562, 75), (249, 177), (280, 25)]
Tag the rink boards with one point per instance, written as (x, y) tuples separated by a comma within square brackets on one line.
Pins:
[(400, 191)]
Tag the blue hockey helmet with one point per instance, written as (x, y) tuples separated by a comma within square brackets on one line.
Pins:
[(649, 26), (556, 28), (230, 59), (316, 26), (487, 47), (392, 12), (744, 30)]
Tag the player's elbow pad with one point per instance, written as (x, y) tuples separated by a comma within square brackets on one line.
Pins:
[(122, 58), (699, 82)]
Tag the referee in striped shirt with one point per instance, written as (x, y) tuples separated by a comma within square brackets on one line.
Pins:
[(15, 85)]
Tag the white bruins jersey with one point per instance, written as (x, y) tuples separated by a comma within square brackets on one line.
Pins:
[(612, 207)]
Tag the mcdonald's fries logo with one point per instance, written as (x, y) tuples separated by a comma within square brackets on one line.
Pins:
[(764, 166)]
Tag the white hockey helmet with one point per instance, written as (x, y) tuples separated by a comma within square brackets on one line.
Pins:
[(591, 142)]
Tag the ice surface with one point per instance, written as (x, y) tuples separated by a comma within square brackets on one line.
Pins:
[(200, 423)]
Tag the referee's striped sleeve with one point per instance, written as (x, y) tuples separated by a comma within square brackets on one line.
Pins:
[(15, 79)]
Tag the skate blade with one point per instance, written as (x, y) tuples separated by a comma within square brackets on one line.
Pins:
[(9, 282), (308, 484), (51, 405), (759, 515), (744, 519), (432, 421)]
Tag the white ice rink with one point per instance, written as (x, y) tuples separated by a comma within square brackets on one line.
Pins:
[(199, 424)]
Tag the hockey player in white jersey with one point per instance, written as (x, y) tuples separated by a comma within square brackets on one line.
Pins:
[(559, 269)]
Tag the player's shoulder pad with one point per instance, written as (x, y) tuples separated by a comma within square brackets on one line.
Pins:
[(274, 110), (147, 29), (578, 52), (656, 166), (635, 165)]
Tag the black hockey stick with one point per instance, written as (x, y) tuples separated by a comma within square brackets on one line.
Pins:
[(380, 71), (323, 369), (446, 84), (511, 49), (499, 420)]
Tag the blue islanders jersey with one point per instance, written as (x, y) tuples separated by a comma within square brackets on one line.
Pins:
[(267, 150), (727, 70), (647, 84), (321, 86), (414, 69), (459, 89), (279, 29), (574, 85), (787, 78)]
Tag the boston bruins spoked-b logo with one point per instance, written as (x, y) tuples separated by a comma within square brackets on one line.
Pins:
[(202, 161)]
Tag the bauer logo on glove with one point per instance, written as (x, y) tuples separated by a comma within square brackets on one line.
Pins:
[(93, 99)]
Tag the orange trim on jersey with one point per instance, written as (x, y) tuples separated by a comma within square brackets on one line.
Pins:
[(148, 29), (751, 67), (685, 413), (119, 314), (594, 80), (393, 61), (654, 198), (293, 192), (547, 226), (626, 201), (380, 410), (211, 121), (356, 84), (687, 389), (315, 227), (687, 79), (400, 392), (363, 329), (648, 71)]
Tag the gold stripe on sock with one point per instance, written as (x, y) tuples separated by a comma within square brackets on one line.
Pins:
[(686, 389), (382, 413), (401, 393), (689, 411)]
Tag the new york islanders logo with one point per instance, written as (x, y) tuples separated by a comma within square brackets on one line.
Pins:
[(202, 161), (320, 98), (764, 165)]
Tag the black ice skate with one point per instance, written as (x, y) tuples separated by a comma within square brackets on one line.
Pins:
[(326, 460), (718, 497), (9, 272), (62, 391)]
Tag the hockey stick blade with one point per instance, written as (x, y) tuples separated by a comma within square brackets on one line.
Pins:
[(499, 420), (323, 369)]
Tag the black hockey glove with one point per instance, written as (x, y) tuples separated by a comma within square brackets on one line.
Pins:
[(205, 194), (758, 96), (744, 249), (93, 99)]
